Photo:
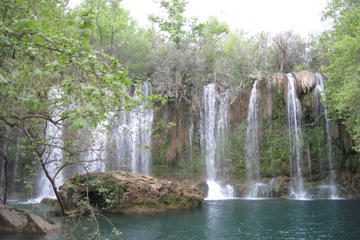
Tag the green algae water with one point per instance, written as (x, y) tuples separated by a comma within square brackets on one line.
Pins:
[(234, 219)]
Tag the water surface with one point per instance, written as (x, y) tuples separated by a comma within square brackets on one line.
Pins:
[(237, 219)]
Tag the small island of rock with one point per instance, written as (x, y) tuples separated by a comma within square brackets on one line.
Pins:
[(126, 193)]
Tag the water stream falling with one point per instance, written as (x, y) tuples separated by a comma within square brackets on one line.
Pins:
[(53, 153), (16, 159), (214, 129), (295, 140), (191, 133), (5, 149), (252, 144), (320, 109), (95, 158), (261, 190), (133, 136)]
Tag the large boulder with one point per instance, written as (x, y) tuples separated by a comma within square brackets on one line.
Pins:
[(14, 220), (123, 192)]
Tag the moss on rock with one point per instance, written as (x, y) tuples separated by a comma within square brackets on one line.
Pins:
[(123, 192)]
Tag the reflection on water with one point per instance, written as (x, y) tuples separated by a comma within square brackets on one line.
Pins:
[(237, 219)]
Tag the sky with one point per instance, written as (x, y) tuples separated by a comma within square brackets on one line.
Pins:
[(301, 16)]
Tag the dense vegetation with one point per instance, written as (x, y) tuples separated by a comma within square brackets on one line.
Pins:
[(53, 57), (342, 44)]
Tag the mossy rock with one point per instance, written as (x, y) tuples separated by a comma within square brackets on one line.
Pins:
[(123, 192)]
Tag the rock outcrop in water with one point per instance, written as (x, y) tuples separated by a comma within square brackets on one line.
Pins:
[(126, 193), (13, 220)]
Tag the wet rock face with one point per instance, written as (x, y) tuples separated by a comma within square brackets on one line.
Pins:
[(136, 193), (13, 220)]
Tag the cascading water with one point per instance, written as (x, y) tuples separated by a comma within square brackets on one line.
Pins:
[(295, 139), (191, 133), (16, 159), (252, 144), (53, 153), (214, 128), (320, 109), (133, 137), (5, 150), (261, 190), (95, 158)]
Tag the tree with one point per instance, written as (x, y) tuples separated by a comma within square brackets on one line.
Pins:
[(6, 180), (50, 74), (114, 32), (290, 51), (342, 43), (172, 69), (173, 60), (211, 39), (245, 57), (175, 22)]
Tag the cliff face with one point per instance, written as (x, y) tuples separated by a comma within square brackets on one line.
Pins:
[(177, 151)]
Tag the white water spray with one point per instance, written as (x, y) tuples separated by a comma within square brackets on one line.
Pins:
[(296, 140), (133, 136), (53, 153), (214, 133), (320, 96), (252, 144)]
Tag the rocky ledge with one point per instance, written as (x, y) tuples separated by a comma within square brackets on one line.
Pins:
[(126, 193), (14, 220)]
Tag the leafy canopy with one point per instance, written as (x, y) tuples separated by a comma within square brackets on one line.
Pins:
[(343, 44)]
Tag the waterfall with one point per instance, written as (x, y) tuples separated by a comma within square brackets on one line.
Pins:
[(214, 134), (95, 158), (53, 153), (16, 158), (191, 133), (5, 150), (295, 139), (133, 136), (252, 143), (261, 190), (320, 109)]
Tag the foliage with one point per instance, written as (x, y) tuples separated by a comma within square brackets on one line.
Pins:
[(45, 53), (245, 57), (211, 37), (289, 51), (72, 68), (237, 152), (172, 156), (114, 32), (343, 44), (175, 60), (175, 22), (101, 192), (172, 68), (275, 145), (51, 74)]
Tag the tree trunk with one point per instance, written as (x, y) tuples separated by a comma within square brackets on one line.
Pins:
[(52, 181), (283, 60), (112, 41), (53, 185), (100, 31), (5, 175)]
